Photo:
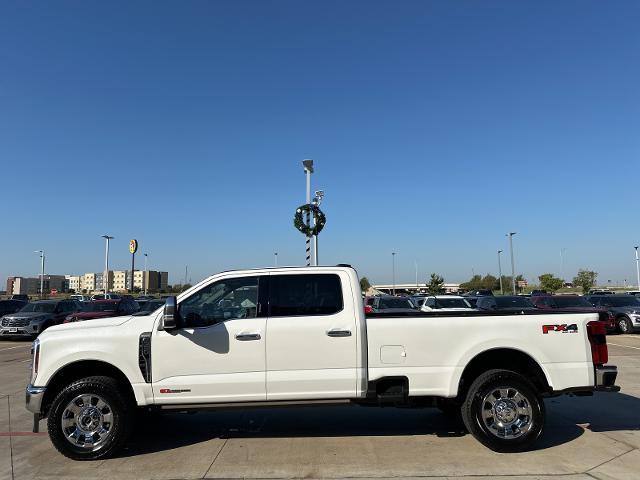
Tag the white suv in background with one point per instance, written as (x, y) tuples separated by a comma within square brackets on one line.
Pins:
[(445, 303)]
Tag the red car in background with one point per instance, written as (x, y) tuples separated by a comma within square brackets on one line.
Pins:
[(574, 303), (104, 309)]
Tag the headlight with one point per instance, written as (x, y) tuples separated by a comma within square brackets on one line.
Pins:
[(35, 359)]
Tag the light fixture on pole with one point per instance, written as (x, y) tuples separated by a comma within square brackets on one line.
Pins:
[(308, 170), (105, 278), (513, 268), (637, 268), (275, 259), (393, 267), (500, 272), (41, 252), (144, 278)]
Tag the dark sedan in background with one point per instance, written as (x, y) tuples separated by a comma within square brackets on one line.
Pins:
[(104, 309), (574, 303), (513, 303)]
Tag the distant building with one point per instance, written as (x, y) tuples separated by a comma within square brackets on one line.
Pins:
[(72, 282), (153, 280), (31, 285)]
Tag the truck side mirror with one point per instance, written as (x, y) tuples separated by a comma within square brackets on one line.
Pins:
[(170, 314)]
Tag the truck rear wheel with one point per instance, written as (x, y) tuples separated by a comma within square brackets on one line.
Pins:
[(89, 419), (504, 411)]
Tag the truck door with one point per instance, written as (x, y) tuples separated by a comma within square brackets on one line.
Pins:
[(218, 354), (311, 344)]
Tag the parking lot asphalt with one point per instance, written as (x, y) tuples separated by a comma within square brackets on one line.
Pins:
[(585, 438)]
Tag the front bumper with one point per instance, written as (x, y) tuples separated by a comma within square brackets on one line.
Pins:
[(34, 396), (606, 378), (29, 330)]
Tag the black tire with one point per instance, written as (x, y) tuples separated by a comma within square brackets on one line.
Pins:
[(119, 409), (478, 402), (623, 325)]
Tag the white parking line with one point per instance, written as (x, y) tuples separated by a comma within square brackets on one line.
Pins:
[(623, 346), (17, 346)]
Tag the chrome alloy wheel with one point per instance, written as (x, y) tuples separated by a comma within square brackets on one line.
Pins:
[(507, 413), (87, 422)]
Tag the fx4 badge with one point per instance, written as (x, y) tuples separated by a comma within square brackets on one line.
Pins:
[(564, 328)]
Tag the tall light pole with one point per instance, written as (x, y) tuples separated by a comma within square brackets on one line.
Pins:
[(41, 252), (500, 272), (105, 278), (416, 263), (308, 170), (637, 268), (275, 259), (144, 278), (513, 267), (393, 268), (317, 200), (562, 250)]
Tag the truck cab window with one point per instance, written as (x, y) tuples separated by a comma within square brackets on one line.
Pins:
[(223, 300), (304, 295)]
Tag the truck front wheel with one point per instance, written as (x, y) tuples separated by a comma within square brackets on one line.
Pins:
[(89, 419), (504, 411)]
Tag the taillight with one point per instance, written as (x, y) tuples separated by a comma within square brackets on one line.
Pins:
[(368, 309), (597, 334)]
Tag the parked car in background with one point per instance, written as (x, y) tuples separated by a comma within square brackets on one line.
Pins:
[(600, 291), (446, 303), (506, 302), (11, 306), (624, 308), (574, 303), (108, 296), (80, 298), (482, 292), (103, 309), (389, 304), (635, 293), (20, 296), (35, 317), (418, 300), (537, 293)]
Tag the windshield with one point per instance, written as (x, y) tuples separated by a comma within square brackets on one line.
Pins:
[(513, 302), (626, 301), (39, 307), (452, 303), (100, 307), (394, 303), (563, 302)]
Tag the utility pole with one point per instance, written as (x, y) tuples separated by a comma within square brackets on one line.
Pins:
[(637, 267), (105, 278), (393, 267), (308, 170), (513, 268), (41, 252), (500, 273)]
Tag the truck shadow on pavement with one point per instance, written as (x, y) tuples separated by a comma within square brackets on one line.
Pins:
[(191, 429)]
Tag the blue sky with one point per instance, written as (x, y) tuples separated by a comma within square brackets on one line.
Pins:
[(436, 127)]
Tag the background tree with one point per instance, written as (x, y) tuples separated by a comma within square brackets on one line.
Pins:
[(549, 282), (364, 284), (436, 284), (489, 282), (585, 279), (474, 284)]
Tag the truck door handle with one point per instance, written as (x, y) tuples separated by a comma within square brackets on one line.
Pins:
[(245, 337), (339, 333)]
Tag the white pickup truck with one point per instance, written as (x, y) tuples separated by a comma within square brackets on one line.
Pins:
[(295, 335)]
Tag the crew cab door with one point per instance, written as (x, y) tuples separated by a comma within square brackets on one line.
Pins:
[(311, 345), (218, 352)]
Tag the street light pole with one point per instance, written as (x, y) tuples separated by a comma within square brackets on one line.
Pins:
[(513, 268), (105, 278), (317, 200), (275, 258), (144, 278), (393, 266), (41, 252), (416, 263), (500, 273), (637, 268), (562, 250), (308, 170)]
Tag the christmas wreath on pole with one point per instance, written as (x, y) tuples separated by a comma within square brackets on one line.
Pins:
[(318, 216)]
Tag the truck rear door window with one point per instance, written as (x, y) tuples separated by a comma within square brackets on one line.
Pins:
[(304, 295)]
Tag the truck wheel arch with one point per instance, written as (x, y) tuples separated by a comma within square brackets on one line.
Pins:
[(80, 369), (504, 358)]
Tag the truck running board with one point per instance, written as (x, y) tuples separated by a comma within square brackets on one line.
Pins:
[(284, 403)]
